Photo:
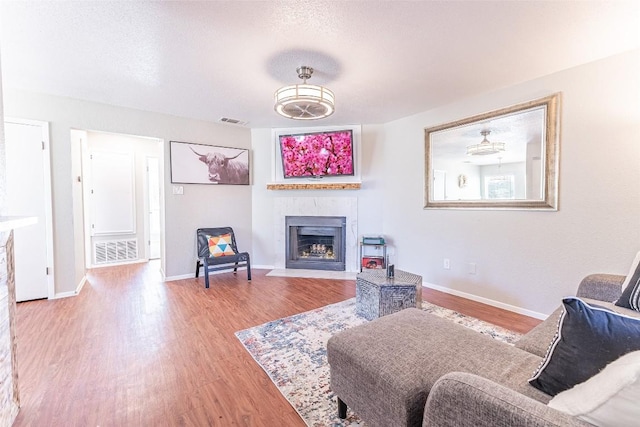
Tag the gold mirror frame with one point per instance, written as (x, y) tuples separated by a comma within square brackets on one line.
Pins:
[(449, 133)]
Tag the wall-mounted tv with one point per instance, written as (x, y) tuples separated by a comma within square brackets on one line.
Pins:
[(317, 154)]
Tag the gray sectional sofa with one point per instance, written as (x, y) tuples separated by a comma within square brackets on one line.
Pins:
[(412, 368)]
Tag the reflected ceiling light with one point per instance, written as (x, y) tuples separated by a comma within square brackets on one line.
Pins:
[(304, 101), (485, 147)]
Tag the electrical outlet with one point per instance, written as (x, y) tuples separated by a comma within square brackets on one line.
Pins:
[(472, 268), (178, 190), (447, 264)]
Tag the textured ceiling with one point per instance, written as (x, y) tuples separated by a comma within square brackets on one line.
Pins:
[(383, 60)]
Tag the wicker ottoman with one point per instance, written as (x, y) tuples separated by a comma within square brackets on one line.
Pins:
[(377, 295)]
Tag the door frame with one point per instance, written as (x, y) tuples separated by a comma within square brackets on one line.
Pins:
[(147, 206), (48, 200)]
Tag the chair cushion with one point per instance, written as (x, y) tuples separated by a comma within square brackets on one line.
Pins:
[(220, 245), (630, 297), (588, 338)]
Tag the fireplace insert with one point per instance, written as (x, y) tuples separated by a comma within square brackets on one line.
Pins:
[(315, 242)]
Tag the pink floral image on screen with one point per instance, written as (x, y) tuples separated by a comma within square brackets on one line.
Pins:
[(317, 154)]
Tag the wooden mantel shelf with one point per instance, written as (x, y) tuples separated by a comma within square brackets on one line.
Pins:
[(314, 186)]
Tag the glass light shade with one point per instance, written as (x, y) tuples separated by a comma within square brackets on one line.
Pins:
[(304, 102), (485, 148)]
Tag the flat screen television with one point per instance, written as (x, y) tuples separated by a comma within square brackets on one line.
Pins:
[(317, 154)]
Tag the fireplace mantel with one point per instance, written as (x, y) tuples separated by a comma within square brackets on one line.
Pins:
[(316, 186)]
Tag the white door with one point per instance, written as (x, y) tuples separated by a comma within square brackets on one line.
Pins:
[(29, 194), (439, 185), (153, 190)]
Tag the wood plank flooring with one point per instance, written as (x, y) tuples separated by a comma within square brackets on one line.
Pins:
[(131, 350)]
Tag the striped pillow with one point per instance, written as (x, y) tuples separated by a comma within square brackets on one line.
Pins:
[(630, 297)]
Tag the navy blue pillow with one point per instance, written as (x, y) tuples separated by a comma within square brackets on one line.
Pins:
[(630, 297), (588, 339)]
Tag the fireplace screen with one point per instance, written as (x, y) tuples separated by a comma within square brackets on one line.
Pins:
[(315, 242)]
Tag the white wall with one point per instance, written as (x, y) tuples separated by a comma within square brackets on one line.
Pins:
[(529, 259), (370, 204), (200, 206)]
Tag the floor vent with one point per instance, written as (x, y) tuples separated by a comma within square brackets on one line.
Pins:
[(115, 251)]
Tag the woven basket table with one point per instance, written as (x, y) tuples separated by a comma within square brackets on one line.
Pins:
[(377, 295)]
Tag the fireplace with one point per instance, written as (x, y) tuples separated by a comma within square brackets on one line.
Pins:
[(315, 242)]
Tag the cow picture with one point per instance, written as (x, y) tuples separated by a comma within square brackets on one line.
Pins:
[(208, 164)]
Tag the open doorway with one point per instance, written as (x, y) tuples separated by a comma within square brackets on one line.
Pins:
[(122, 187)]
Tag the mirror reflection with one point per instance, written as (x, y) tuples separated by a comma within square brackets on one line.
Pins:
[(503, 159)]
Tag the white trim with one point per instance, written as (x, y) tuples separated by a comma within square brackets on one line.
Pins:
[(487, 301), (48, 195), (180, 277), (113, 264), (65, 295), (193, 275), (263, 267), (81, 284), (72, 293)]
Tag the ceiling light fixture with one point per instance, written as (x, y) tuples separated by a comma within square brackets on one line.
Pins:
[(304, 101), (485, 147)]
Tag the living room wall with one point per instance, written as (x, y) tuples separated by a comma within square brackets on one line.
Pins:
[(200, 206), (369, 202), (528, 260)]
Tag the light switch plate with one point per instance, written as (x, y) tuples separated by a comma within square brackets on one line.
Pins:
[(178, 189)]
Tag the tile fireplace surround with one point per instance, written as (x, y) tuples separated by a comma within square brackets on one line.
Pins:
[(317, 206)]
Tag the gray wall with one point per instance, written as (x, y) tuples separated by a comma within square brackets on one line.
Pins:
[(526, 260), (200, 206)]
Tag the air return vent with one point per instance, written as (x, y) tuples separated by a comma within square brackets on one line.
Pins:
[(114, 251), (229, 121)]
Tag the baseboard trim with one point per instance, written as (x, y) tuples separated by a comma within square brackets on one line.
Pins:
[(193, 275), (71, 293), (487, 301), (263, 267), (114, 264), (179, 277)]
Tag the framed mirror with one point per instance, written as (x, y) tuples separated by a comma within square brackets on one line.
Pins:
[(504, 159)]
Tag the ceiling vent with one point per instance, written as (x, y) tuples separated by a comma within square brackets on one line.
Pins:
[(230, 121)]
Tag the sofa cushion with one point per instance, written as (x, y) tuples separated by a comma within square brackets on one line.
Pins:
[(537, 340), (588, 338), (630, 297), (609, 397)]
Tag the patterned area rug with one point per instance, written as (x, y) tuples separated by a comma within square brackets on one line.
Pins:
[(293, 352)]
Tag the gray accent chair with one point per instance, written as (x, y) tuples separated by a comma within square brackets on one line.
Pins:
[(412, 368), (210, 263)]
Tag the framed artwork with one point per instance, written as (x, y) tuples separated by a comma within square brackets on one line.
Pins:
[(208, 164), (372, 263)]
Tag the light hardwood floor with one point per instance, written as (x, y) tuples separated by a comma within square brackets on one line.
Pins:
[(131, 350)]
